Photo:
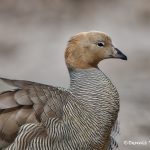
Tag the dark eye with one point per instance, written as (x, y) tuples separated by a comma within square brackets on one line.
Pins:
[(100, 44)]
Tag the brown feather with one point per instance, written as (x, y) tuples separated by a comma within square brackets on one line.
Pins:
[(27, 104), (7, 100)]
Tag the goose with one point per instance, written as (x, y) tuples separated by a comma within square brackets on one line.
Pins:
[(82, 117)]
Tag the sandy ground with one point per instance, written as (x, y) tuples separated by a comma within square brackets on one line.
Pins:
[(33, 36)]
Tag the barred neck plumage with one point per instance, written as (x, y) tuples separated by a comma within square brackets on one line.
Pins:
[(92, 85), (99, 96)]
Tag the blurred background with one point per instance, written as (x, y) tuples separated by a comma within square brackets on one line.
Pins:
[(34, 33)]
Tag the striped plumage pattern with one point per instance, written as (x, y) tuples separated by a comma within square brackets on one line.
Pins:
[(83, 88), (81, 117), (113, 145)]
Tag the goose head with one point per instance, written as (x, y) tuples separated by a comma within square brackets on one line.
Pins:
[(87, 49)]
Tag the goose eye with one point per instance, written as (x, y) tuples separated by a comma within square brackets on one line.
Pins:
[(100, 44)]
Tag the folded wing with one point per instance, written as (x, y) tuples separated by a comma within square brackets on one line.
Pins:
[(29, 103)]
